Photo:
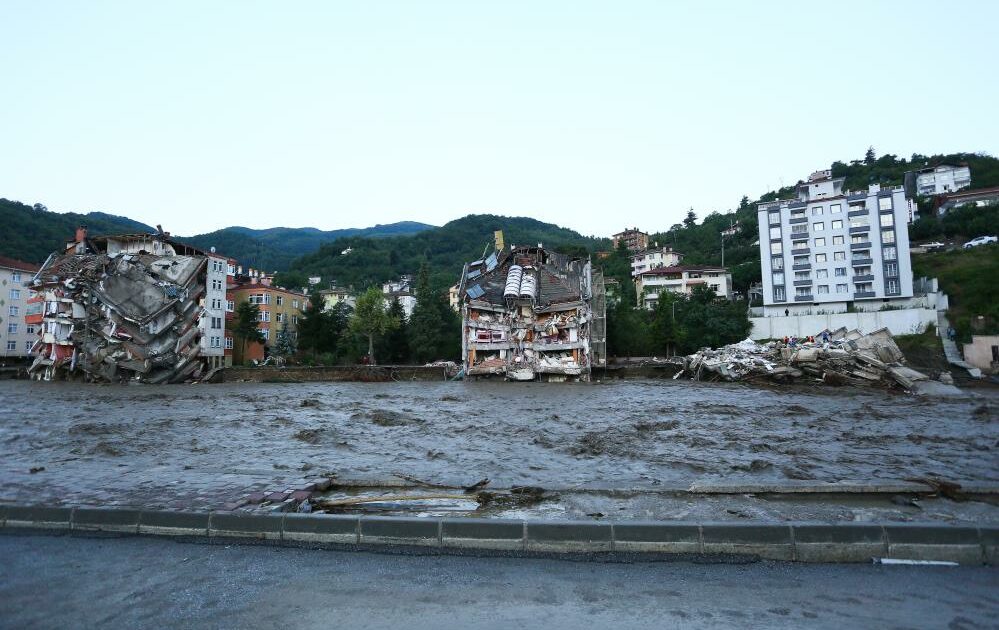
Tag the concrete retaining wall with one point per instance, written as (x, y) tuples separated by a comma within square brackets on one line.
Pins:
[(363, 373), (903, 322), (800, 542)]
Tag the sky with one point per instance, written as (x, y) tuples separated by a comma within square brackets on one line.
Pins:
[(591, 115)]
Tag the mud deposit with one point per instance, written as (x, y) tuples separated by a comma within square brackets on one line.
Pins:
[(203, 442)]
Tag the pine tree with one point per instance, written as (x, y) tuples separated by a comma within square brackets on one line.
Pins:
[(285, 345), (395, 344), (870, 157), (691, 219), (245, 327)]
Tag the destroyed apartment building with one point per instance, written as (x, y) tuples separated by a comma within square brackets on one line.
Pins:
[(529, 313), (124, 307)]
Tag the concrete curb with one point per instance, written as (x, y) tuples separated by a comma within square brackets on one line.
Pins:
[(798, 542)]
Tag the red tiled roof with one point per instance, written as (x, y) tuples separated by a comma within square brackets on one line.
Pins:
[(20, 265)]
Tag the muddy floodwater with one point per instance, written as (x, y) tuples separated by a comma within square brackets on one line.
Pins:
[(136, 443)]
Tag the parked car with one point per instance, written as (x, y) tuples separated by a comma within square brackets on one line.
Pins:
[(981, 240), (934, 246)]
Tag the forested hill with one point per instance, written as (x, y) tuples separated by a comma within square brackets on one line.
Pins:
[(31, 233), (273, 249), (446, 249)]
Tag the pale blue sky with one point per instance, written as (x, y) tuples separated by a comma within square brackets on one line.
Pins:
[(592, 115)]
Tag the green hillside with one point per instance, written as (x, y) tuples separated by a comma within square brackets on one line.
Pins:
[(446, 249), (968, 277), (31, 233)]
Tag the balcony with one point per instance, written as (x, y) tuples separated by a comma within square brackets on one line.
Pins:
[(802, 267), (862, 262), (886, 210), (802, 283), (800, 250), (856, 246), (802, 219), (864, 278), (799, 236), (859, 212), (860, 295), (803, 298), (857, 229)]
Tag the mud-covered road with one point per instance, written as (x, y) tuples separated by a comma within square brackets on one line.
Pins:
[(200, 443)]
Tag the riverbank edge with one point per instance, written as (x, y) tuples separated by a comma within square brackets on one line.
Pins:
[(709, 541)]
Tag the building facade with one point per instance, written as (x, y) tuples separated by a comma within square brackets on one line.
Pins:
[(681, 279), (213, 322), (831, 247), (941, 179), (633, 238), (654, 259), (279, 308), (336, 295), (17, 336)]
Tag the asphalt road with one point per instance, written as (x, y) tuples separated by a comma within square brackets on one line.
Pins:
[(62, 581)]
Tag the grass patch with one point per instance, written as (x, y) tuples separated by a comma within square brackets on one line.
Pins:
[(970, 277), (923, 352)]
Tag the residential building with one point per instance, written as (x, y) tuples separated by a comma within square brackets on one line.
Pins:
[(681, 279), (453, 300), (279, 308), (16, 335), (401, 290), (529, 313), (831, 247), (654, 259), (219, 274), (634, 239), (983, 353), (336, 295), (979, 197), (941, 179)]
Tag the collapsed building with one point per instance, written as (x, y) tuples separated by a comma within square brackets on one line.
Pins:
[(529, 313), (124, 307)]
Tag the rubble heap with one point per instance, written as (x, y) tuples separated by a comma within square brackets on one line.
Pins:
[(119, 312), (846, 357)]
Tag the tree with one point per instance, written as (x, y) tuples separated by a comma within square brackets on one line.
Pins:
[(665, 333), (285, 345), (434, 330), (371, 319), (870, 156), (245, 327), (395, 343), (690, 220)]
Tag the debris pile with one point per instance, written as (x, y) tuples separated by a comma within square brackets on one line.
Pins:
[(836, 358)]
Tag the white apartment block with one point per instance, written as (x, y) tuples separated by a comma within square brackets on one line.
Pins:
[(16, 337), (830, 248), (654, 259), (212, 323), (941, 179), (649, 284)]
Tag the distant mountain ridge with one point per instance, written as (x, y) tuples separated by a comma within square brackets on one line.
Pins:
[(31, 233)]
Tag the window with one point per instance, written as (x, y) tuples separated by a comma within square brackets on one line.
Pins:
[(231, 270), (889, 253), (838, 240), (777, 263), (884, 203), (834, 208), (822, 273), (27, 345), (774, 217), (820, 258), (887, 220), (837, 224), (11, 346), (294, 319), (775, 232), (799, 229), (266, 333), (15, 294), (802, 275), (860, 238), (841, 288), (860, 223), (260, 298), (840, 272), (280, 300), (294, 303), (823, 288), (13, 310), (230, 305), (778, 294), (820, 242), (888, 236), (817, 211), (15, 276), (216, 304), (12, 329), (891, 286), (778, 277), (228, 343), (217, 323), (30, 329), (799, 246), (797, 214), (802, 291), (862, 271), (891, 269), (776, 248), (801, 260), (265, 316), (279, 317), (818, 227)]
